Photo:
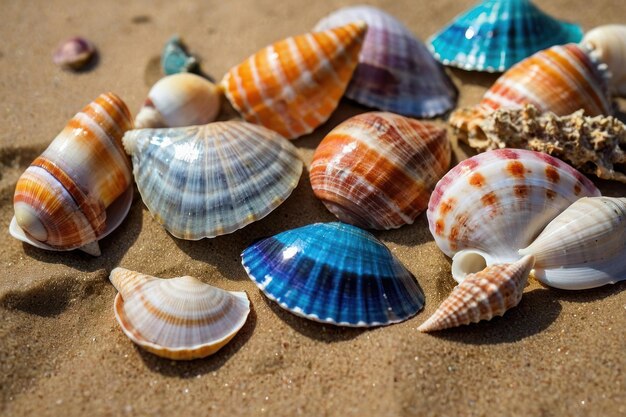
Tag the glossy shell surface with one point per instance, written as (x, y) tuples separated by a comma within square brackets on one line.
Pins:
[(608, 44), (377, 170), (334, 273), (74, 53)]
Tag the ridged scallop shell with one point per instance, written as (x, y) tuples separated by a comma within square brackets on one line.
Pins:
[(496, 34), (334, 273), (178, 318), (482, 296), (562, 80), (491, 205), (584, 246), (608, 44), (179, 100), (61, 200), (294, 85), (377, 170), (396, 72), (210, 180)]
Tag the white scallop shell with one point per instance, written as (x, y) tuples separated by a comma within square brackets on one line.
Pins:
[(608, 44), (583, 247), (210, 180), (179, 318)]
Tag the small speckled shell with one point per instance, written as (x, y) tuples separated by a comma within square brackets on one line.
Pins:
[(294, 85), (482, 296), (377, 170), (178, 318)]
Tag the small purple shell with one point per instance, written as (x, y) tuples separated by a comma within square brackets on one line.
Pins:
[(74, 53)]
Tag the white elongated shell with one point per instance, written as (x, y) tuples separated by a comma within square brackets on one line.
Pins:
[(210, 180), (583, 247), (179, 318), (608, 44), (179, 100)]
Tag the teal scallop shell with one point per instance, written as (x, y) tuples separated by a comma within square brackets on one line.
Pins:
[(210, 180), (496, 34), (334, 273)]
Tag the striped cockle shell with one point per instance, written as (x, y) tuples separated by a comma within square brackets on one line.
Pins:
[(334, 273), (210, 180), (584, 246), (177, 100), (294, 85), (61, 200), (178, 318), (396, 71), (377, 170), (561, 79), (482, 296), (608, 44), (491, 205)]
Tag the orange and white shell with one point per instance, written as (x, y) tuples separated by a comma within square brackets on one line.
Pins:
[(377, 170), (608, 44), (61, 200), (482, 296), (294, 85), (179, 318)]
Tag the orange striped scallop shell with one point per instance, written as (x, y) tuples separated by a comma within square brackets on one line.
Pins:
[(294, 85)]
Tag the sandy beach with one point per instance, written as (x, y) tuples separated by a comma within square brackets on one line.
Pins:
[(559, 353)]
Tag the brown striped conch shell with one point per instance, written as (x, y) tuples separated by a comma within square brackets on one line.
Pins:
[(482, 296), (179, 318), (294, 85), (77, 191)]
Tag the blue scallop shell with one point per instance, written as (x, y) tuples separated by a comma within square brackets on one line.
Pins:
[(496, 34), (334, 273)]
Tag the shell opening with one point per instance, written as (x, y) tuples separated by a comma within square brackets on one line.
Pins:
[(28, 220), (467, 262)]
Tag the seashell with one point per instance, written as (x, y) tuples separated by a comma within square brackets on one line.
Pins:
[(210, 180), (376, 170), (584, 246), (334, 273), (562, 80), (595, 145), (294, 85), (482, 296), (396, 72), (175, 58), (179, 100), (608, 44), (179, 318), (496, 34), (74, 53), (67, 196), (491, 205)]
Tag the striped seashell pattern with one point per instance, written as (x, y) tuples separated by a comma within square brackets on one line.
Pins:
[(294, 85), (334, 273), (179, 318), (210, 180), (396, 72), (377, 170), (491, 205), (482, 296), (61, 200)]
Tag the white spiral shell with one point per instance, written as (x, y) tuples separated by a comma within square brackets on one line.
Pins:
[(608, 44)]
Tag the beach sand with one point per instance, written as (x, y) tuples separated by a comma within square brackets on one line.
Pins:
[(62, 353)]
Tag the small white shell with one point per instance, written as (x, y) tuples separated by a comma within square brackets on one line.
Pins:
[(608, 44), (180, 100), (583, 247)]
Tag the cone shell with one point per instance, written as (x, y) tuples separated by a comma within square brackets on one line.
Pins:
[(210, 180), (584, 246), (396, 72), (294, 85), (179, 100), (491, 205), (608, 44), (178, 318), (61, 199), (562, 80), (496, 34), (334, 273), (377, 170), (482, 296)]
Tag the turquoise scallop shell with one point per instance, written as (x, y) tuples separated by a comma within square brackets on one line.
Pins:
[(334, 273), (496, 34)]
